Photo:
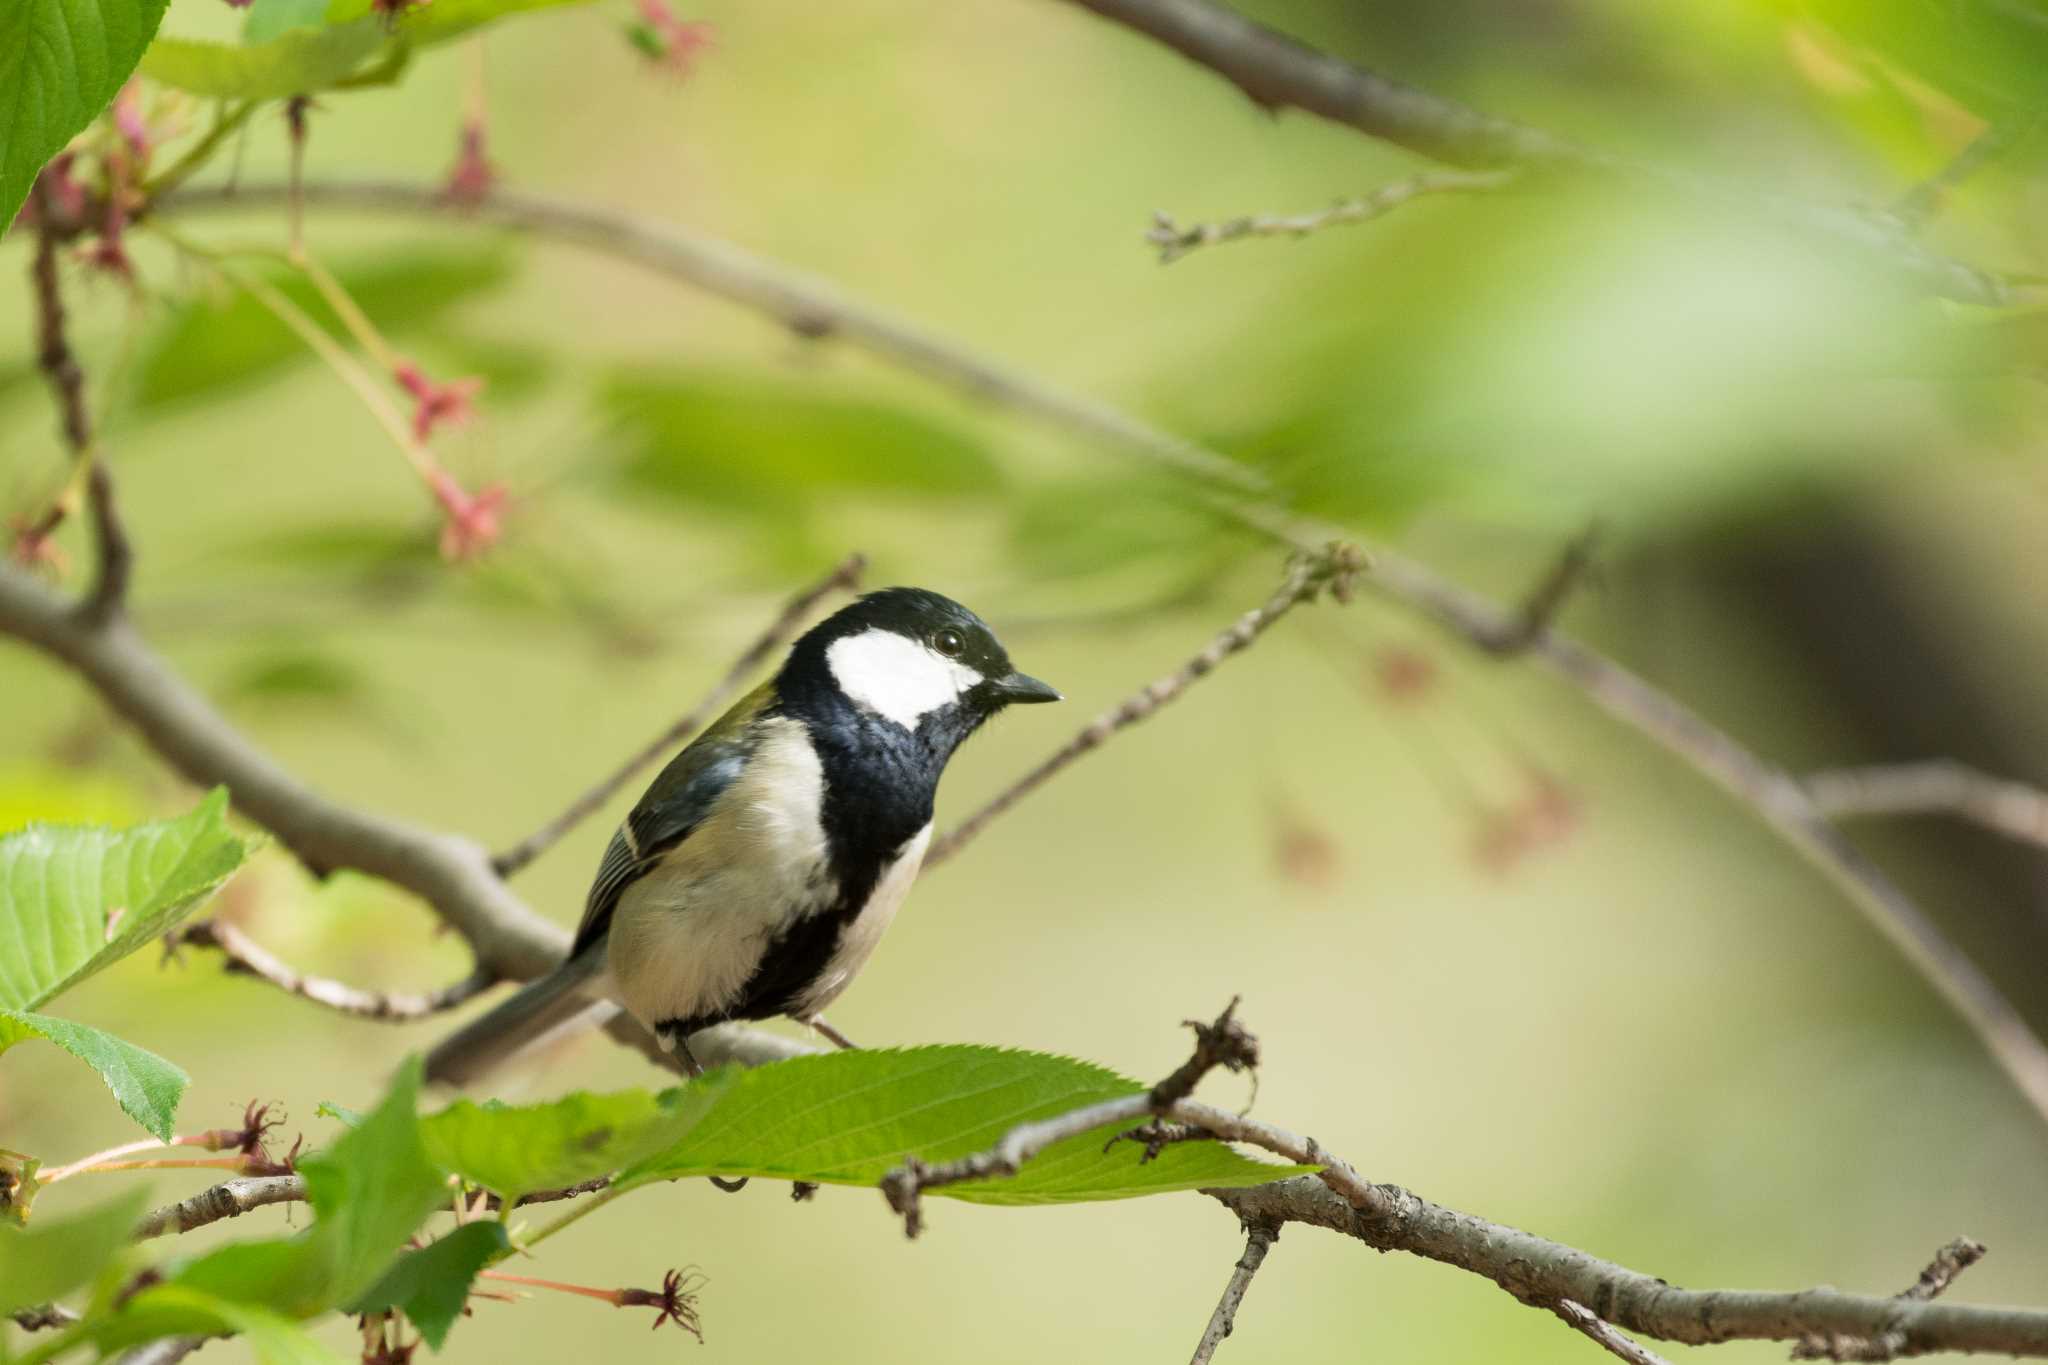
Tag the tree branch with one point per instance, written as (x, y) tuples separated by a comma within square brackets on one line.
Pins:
[(1276, 72), (229, 1199), (1335, 566), (246, 956), (1175, 241), (1937, 787), (780, 631), (1258, 1240)]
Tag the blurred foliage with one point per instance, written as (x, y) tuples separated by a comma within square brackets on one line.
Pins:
[(212, 344)]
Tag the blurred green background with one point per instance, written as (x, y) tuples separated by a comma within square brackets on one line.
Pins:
[(1645, 1029)]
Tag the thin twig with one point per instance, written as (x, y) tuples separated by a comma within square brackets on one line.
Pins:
[(1540, 608), (795, 612), (246, 956), (1175, 241), (1334, 566), (1258, 1240), (1937, 787), (1277, 72), (1615, 1342)]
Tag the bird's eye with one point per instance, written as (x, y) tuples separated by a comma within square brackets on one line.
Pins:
[(949, 643)]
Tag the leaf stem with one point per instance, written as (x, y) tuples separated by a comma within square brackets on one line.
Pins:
[(224, 126), (580, 1209)]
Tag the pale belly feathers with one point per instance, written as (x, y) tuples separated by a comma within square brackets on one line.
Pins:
[(757, 865)]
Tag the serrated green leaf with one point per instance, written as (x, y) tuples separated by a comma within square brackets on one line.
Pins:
[(298, 62), (54, 1256), (176, 1310), (747, 443), (61, 63), (268, 18), (147, 1087), (74, 899), (425, 25), (431, 1285), (516, 1150), (850, 1118), (209, 344), (370, 1191)]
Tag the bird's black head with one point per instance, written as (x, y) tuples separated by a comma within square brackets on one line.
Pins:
[(912, 658)]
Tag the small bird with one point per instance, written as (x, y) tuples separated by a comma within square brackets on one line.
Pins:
[(758, 871)]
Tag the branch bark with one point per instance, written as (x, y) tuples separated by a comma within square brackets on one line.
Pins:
[(247, 956), (1258, 1240)]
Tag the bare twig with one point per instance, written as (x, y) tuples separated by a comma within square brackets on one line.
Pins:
[(66, 378), (1583, 1319), (1258, 1240), (795, 612), (246, 956), (1951, 1261), (229, 1199), (1936, 787), (1175, 240), (1333, 566), (1547, 598), (1277, 72)]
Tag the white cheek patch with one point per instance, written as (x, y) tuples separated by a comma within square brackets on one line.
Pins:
[(895, 676)]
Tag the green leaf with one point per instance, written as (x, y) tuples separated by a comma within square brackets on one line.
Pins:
[(268, 18), (73, 899), (147, 1087), (61, 62), (370, 1191), (297, 62), (441, 20), (55, 1256), (175, 1310), (753, 444), (516, 1150), (340, 1113), (851, 1117), (431, 1285), (209, 344)]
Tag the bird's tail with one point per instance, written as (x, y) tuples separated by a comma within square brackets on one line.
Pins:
[(569, 999)]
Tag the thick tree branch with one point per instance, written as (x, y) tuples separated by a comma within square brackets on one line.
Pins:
[(1334, 566), (450, 873), (1175, 240), (245, 955), (1937, 787), (1258, 1240), (795, 612), (1277, 72)]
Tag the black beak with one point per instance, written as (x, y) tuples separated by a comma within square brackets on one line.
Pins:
[(1025, 688)]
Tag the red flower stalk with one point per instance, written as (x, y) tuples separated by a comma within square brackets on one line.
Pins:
[(435, 403), (474, 520)]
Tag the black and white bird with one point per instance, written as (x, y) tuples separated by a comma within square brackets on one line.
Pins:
[(760, 869)]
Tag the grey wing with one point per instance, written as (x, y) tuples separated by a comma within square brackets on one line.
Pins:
[(673, 805)]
